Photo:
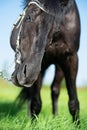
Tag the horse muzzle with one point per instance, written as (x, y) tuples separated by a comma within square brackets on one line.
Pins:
[(25, 75)]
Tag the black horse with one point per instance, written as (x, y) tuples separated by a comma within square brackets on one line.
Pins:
[(48, 32)]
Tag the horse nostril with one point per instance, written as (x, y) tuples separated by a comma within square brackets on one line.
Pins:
[(25, 70)]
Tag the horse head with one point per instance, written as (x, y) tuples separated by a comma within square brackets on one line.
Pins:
[(28, 39)]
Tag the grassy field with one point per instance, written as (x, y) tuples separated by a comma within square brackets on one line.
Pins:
[(14, 118)]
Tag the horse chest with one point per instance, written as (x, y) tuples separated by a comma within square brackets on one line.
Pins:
[(57, 49)]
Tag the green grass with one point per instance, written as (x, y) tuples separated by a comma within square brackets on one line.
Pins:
[(14, 118)]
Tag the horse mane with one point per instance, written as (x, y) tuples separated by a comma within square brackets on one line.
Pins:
[(53, 6)]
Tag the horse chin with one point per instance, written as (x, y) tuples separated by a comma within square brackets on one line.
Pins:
[(27, 85), (24, 82)]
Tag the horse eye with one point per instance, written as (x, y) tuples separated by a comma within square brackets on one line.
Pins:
[(28, 19)]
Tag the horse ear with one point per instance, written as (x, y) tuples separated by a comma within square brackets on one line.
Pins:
[(64, 2)]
